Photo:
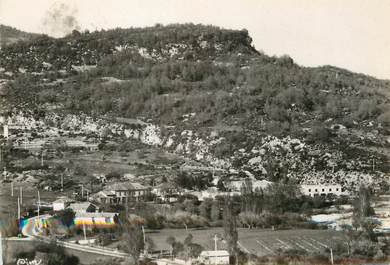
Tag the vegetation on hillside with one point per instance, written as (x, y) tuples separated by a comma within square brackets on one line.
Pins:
[(9, 35), (200, 77), (166, 72)]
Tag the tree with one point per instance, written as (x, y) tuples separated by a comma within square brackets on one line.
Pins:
[(150, 245), (188, 239), (220, 185), (214, 212), (195, 250), (362, 213), (66, 217), (362, 207), (230, 229), (133, 240), (171, 240)]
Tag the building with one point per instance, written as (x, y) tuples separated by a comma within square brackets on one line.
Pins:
[(99, 220), (61, 203), (83, 207), (251, 184), (323, 190), (121, 192), (167, 192), (214, 257)]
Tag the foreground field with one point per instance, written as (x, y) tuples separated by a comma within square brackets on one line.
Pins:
[(260, 242)]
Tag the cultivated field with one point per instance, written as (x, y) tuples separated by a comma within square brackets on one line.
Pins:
[(261, 242)]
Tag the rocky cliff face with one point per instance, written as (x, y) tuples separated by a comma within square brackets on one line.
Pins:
[(271, 158)]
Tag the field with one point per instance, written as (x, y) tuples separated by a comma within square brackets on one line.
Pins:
[(8, 204), (261, 242)]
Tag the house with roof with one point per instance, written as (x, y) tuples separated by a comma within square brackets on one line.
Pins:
[(121, 193), (83, 207)]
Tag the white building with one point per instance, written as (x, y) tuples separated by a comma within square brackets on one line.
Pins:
[(214, 257), (323, 190), (61, 203)]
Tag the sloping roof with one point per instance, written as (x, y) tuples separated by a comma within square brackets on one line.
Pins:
[(103, 194), (80, 206), (95, 215), (118, 186)]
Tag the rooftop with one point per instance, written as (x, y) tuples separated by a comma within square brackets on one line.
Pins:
[(214, 253), (80, 206), (118, 186), (95, 215)]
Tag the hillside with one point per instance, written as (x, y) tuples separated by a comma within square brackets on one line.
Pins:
[(9, 35), (206, 93)]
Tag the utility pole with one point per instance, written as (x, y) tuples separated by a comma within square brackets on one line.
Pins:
[(12, 189), (143, 233), (21, 195), (1, 249), (39, 204), (85, 231), (331, 256), (18, 209), (62, 182), (42, 159)]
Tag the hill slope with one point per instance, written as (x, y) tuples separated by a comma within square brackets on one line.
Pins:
[(9, 35), (210, 94)]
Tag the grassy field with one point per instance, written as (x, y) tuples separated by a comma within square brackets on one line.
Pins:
[(8, 204), (261, 242)]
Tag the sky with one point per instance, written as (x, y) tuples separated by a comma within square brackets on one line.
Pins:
[(352, 34)]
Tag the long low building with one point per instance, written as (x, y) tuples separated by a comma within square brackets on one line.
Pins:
[(323, 190), (101, 220)]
